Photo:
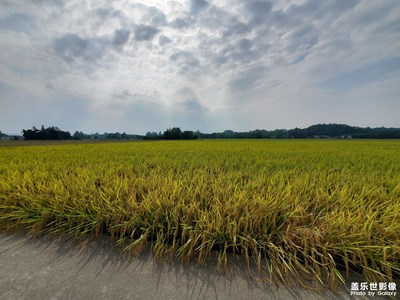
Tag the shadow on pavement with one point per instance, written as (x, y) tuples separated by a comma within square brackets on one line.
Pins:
[(44, 268)]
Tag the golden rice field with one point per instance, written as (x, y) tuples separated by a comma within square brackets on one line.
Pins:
[(295, 210)]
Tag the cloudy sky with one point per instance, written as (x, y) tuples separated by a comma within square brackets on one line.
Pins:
[(207, 65)]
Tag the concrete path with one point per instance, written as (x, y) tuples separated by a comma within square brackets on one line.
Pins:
[(47, 269)]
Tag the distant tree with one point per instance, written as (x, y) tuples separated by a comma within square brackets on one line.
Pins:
[(30, 134), (298, 133), (79, 135), (198, 134), (188, 135), (174, 133), (113, 136), (228, 134), (151, 135), (50, 133)]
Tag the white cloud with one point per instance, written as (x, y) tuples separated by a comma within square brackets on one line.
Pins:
[(252, 64)]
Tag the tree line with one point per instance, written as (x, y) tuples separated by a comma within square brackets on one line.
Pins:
[(50, 133), (174, 133), (319, 131)]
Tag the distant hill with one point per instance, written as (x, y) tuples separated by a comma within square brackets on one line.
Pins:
[(318, 131), (344, 131)]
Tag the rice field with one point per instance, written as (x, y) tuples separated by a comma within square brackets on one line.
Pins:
[(296, 211)]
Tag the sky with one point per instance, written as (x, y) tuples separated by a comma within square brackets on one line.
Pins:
[(208, 65)]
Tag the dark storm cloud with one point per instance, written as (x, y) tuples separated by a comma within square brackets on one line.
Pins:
[(144, 32), (121, 36), (71, 47)]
